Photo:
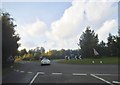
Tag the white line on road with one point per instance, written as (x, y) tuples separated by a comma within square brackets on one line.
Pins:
[(57, 73), (116, 82), (41, 72), (29, 72), (79, 74), (17, 70), (22, 71), (34, 78), (101, 79)]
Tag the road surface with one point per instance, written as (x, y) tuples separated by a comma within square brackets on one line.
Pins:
[(33, 73)]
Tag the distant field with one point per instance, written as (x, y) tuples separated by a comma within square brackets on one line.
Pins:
[(104, 60)]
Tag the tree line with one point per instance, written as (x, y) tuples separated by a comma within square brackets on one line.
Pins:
[(32, 54), (36, 54), (89, 41)]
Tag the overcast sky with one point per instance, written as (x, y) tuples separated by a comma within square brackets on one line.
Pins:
[(57, 25)]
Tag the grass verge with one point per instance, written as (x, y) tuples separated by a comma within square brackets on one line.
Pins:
[(103, 60)]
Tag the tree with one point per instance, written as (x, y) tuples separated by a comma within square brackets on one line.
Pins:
[(112, 45), (52, 54), (31, 51), (118, 45), (42, 50), (103, 49), (22, 52), (9, 39), (118, 42), (62, 52), (87, 41), (102, 44), (119, 31)]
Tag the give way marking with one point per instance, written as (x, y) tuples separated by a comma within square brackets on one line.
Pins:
[(35, 77), (101, 79)]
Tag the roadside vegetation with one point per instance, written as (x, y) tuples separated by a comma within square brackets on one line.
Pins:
[(9, 39), (88, 42)]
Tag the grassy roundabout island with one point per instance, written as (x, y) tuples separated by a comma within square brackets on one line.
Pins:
[(103, 60)]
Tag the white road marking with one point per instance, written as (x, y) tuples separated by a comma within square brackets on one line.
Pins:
[(57, 73), (29, 72), (22, 71), (101, 79), (116, 82), (78, 74), (41, 72), (17, 70), (34, 78)]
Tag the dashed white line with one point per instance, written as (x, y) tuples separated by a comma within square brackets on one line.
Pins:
[(17, 70), (116, 82), (57, 73), (101, 79), (22, 71), (34, 78), (78, 74), (75, 74), (30, 72)]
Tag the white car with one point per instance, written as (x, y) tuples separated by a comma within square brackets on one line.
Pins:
[(45, 61)]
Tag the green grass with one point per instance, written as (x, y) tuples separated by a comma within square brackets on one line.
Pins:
[(105, 60)]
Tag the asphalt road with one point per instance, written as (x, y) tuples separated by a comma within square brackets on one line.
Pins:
[(33, 72)]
